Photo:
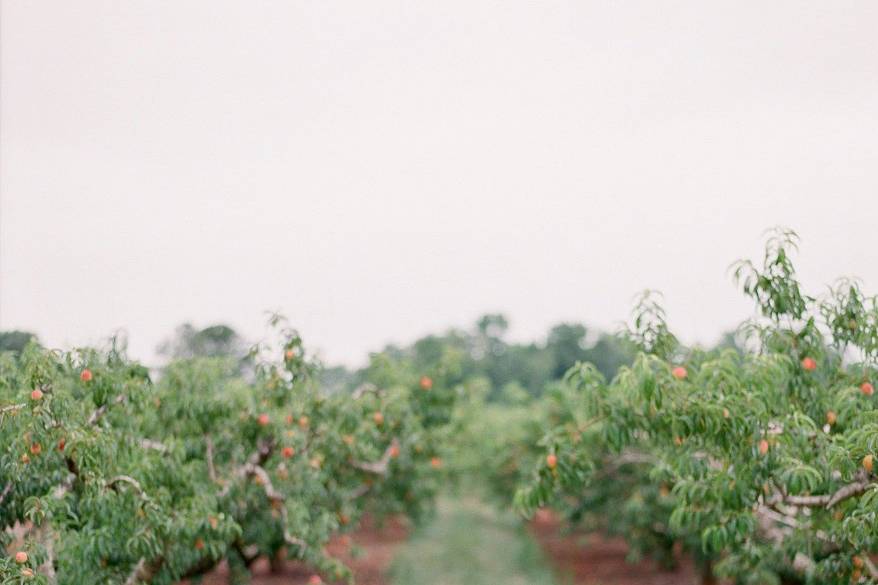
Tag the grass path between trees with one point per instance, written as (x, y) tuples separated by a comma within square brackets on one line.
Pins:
[(469, 543)]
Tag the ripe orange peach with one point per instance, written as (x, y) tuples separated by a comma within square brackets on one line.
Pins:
[(679, 373), (394, 451), (263, 420), (426, 382), (868, 463), (86, 375), (809, 365), (37, 394), (21, 557), (287, 452), (551, 461), (867, 389), (763, 447), (436, 462), (831, 418), (378, 418)]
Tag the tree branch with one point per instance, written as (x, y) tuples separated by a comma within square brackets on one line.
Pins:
[(211, 470), (143, 572), (154, 445), (364, 389), (850, 490), (378, 467), (870, 566), (256, 459), (126, 479), (98, 413), (11, 408), (626, 458)]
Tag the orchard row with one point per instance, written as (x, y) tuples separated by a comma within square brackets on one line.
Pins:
[(111, 474)]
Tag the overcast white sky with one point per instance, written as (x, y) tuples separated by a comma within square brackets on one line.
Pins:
[(381, 169)]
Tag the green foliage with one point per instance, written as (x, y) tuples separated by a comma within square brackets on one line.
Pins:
[(113, 477), (213, 341), (758, 461), (483, 352), (16, 341)]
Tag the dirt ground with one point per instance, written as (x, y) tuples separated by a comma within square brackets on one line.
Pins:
[(578, 559), (375, 545), (596, 560)]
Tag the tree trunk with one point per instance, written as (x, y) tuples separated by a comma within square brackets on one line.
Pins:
[(278, 561), (705, 573)]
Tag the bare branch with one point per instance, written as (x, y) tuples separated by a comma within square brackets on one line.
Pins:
[(144, 571), (768, 523), (264, 481), (98, 413), (47, 537), (277, 498), (378, 467), (626, 458), (363, 389), (360, 491), (126, 479), (11, 408), (850, 490), (870, 566), (154, 445), (211, 470), (256, 459)]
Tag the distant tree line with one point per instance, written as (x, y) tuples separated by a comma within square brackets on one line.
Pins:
[(480, 351), (510, 368)]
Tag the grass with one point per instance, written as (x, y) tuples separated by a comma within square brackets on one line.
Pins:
[(471, 544)]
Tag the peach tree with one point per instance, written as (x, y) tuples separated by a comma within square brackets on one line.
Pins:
[(109, 476), (760, 460)]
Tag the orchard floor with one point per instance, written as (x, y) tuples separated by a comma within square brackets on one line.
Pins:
[(591, 559), (368, 552), (470, 544)]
